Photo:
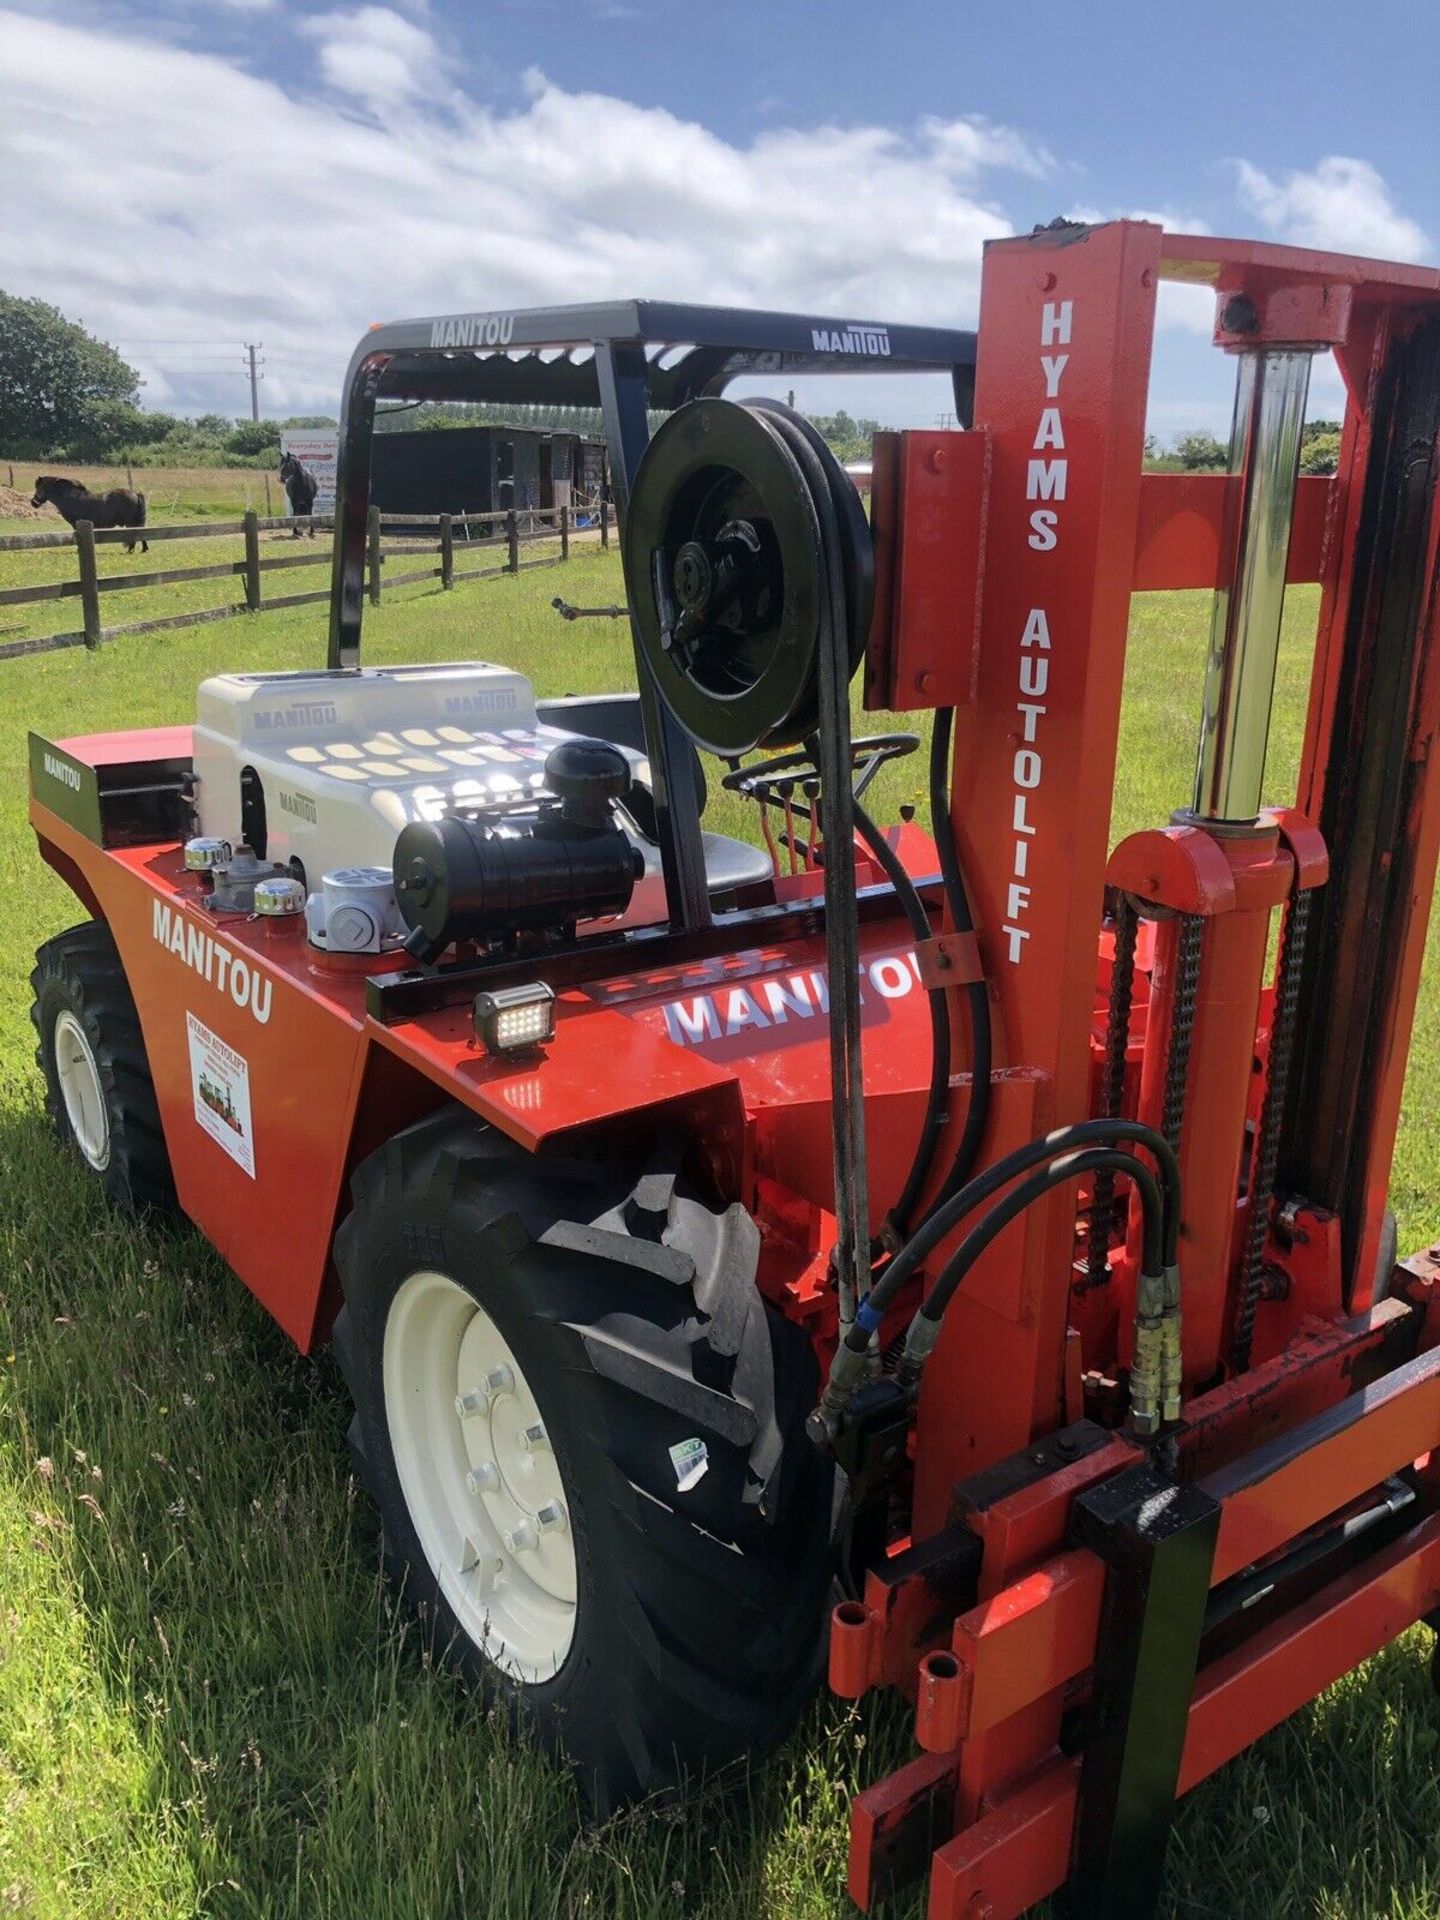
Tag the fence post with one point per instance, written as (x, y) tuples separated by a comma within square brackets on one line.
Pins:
[(604, 521), (447, 552), (252, 560), (89, 585), (564, 533), (373, 547), (512, 534)]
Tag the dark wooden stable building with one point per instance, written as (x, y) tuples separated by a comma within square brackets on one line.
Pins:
[(481, 470)]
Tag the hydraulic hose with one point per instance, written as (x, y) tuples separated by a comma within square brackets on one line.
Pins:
[(933, 1124), (1155, 1377), (948, 1214), (1070, 1166), (842, 924), (977, 1003), (1159, 1285)]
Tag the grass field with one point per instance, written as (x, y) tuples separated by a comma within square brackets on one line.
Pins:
[(207, 1705), (172, 494)]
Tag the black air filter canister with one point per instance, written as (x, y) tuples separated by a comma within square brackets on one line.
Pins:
[(456, 879)]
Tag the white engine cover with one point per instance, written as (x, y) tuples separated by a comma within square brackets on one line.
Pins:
[(345, 759)]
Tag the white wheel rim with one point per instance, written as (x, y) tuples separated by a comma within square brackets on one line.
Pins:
[(80, 1088), (480, 1478)]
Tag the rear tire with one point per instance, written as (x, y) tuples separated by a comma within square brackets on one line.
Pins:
[(633, 1329), (98, 1090)]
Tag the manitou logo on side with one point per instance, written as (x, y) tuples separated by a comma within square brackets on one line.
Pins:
[(216, 965), (853, 337), (774, 1003), (62, 771), (1045, 479), (300, 713)]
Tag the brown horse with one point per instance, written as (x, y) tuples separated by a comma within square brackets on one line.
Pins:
[(118, 508)]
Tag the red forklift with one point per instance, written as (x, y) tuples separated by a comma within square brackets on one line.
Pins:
[(959, 1252)]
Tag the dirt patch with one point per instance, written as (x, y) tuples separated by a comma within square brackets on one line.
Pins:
[(16, 506)]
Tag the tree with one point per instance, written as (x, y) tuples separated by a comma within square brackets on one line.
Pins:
[(55, 380), (1320, 453), (252, 436), (1199, 451)]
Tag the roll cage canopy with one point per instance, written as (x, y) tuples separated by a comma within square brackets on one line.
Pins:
[(628, 358)]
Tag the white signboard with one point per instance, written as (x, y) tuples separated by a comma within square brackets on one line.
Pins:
[(317, 449), (220, 1082)]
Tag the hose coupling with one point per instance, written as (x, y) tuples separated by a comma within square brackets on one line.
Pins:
[(847, 1371), (1171, 1358), (920, 1338), (1147, 1365)]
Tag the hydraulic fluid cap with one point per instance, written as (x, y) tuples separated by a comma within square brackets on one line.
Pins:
[(203, 854), (276, 898)]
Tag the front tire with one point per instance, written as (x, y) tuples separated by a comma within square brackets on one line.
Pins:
[(644, 1578), (91, 1052)]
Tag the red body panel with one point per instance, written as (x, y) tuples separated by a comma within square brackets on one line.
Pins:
[(734, 1052)]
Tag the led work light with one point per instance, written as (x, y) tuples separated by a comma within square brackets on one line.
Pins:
[(514, 1019)]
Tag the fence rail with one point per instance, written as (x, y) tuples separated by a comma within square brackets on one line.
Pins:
[(521, 526)]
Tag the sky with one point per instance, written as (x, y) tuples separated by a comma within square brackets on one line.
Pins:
[(190, 175)]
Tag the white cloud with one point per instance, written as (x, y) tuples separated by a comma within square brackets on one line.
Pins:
[(1342, 205), (375, 54), (235, 210)]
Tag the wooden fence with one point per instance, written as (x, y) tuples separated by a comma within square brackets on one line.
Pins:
[(519, 529)]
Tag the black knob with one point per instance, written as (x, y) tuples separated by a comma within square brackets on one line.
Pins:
[(587, 777)]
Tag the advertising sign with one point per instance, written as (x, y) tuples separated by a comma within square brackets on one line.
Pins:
[(316, 448)]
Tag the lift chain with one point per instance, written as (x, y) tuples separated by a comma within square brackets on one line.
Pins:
[(1112, 1093), (1182, 1024), (1267, 1144)]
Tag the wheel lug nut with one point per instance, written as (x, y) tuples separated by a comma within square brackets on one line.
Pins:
[(471, 1403), (521, 1538), (536, 1439), (551, 1516), (500, 1380), (483, 1479)]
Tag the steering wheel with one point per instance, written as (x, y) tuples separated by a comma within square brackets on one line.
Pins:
[(758, 781)]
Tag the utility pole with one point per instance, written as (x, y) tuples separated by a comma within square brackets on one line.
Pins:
[(255, 376)]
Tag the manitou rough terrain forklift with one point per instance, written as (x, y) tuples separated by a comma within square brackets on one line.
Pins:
[(967, 1250)]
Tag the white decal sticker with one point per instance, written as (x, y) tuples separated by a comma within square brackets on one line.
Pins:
[(220, 1078), (691, 1461)]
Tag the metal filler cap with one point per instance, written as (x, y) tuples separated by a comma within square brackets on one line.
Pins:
[(278, 897), (203, 855)]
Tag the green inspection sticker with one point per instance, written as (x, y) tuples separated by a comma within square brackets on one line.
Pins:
[(690, 1459)]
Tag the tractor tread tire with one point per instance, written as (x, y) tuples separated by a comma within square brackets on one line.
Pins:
[(80, 971), (699, 1629)]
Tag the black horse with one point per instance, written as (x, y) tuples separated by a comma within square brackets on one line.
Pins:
[(301, 487), (119, 508)]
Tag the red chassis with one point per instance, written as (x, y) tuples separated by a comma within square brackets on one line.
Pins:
[(1032, 1586)]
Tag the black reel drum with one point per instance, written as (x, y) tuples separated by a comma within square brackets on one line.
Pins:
[(738, 516)]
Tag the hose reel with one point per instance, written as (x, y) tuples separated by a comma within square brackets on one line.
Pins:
[(751, 579), (739, 519)]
